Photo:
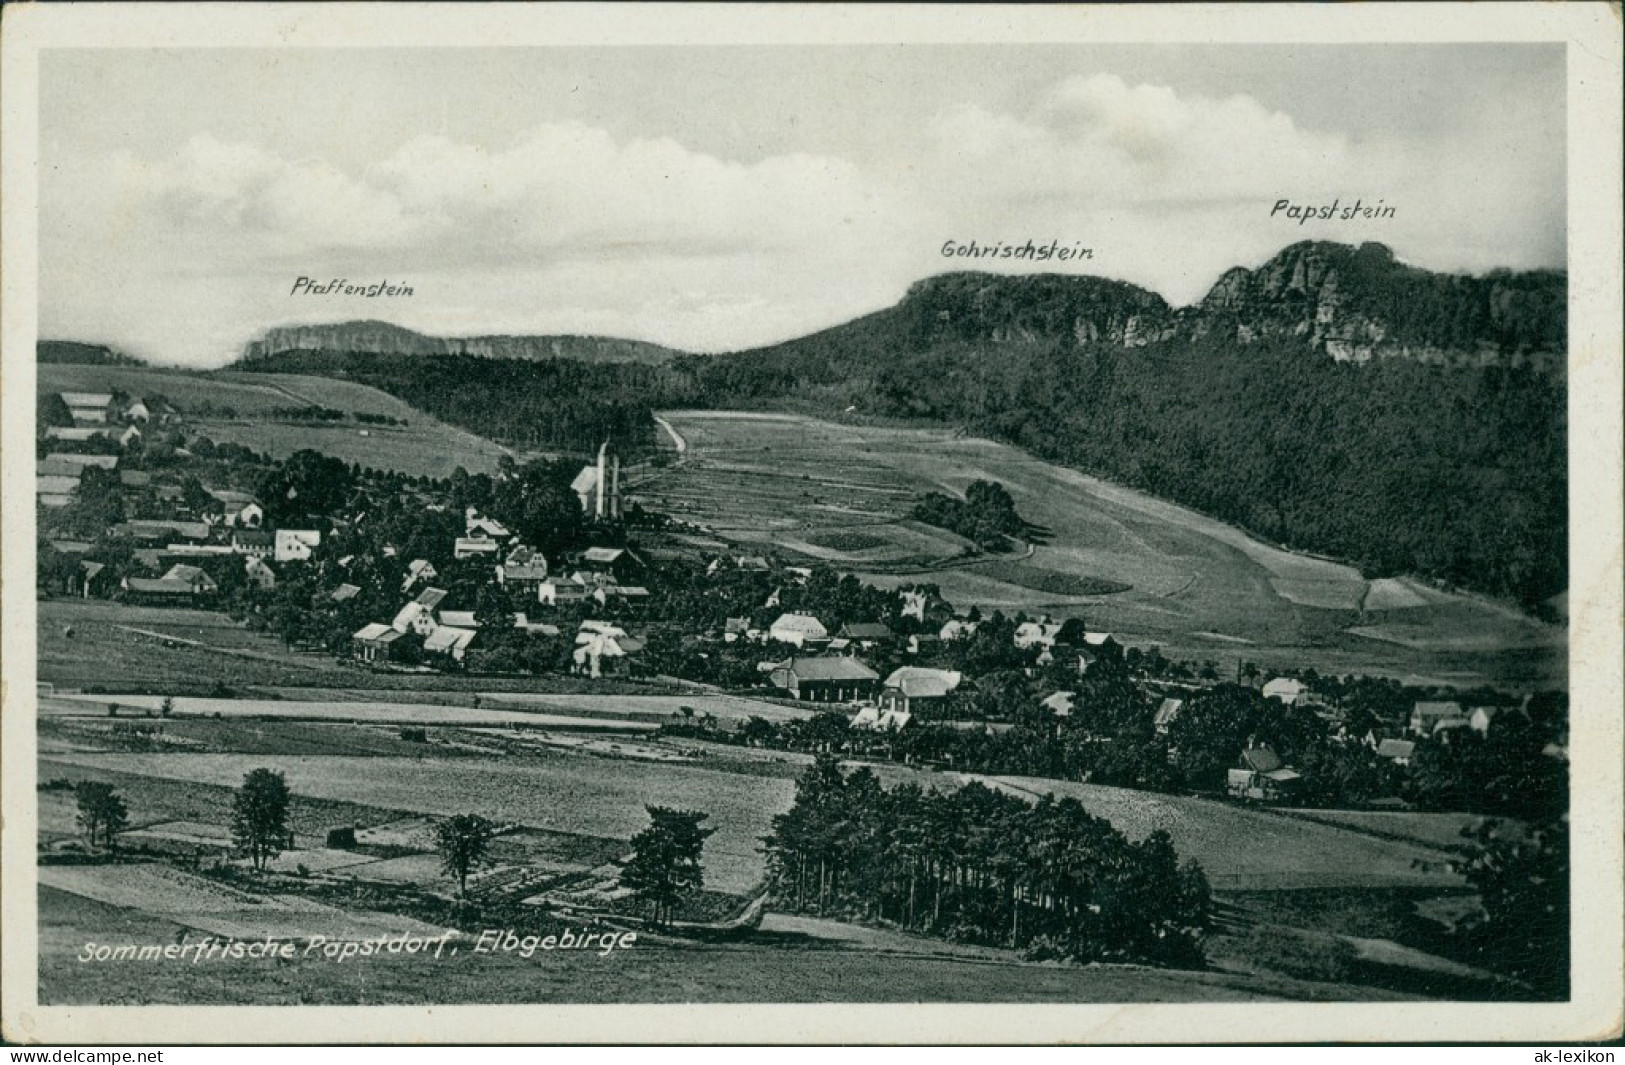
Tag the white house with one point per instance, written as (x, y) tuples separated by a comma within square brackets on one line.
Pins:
[(798, 629), (1286, 690), (296, 545)]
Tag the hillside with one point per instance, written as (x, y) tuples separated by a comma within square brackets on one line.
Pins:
[(71, 352), (384, 338), (1333, 400), (276, 414)]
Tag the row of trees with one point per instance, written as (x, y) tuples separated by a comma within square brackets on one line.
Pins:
[(980, 866)]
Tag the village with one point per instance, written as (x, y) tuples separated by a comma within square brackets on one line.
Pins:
[(540, 570)]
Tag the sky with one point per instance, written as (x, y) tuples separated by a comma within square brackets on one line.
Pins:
[(718, 198)]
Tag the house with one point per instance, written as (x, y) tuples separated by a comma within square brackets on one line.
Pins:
[(239, 510), (752, 564), (562, 591), (345, 592), (126, 435), (476, 527), (259, 574), (55, 491), (96, 407), (253, 542), (196, 579), (923, 643), (526, 576), (1167, 714), (473, 546), (448, 640), (431, 598), (630, 594), (735, 629), (415, 617), (163, 531), (1425, 716), (874, 719), (825, 680), (865, 634), (798, 629), (1261, 775), (106, 462), (375, 642), (419, 569), (296, 545), (911, 689), (1400, 752), (957, 629), (72, 434), (1060, 703), (622, 562), (533, 628), (1037, 634), (56, 466), (134, 478), (182, 584), (1286, 690), (604, 648), (137, 411), (458, 619)]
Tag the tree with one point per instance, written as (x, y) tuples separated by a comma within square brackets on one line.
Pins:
[(259, 815), (101, 808), (665, 864), (462, 842), (1522, 878)]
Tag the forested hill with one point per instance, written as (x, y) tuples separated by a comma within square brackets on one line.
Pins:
[(544, 405), (1333, 399), (384, 338), (73, 352)]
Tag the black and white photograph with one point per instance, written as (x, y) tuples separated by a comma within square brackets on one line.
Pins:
[(792, 507)]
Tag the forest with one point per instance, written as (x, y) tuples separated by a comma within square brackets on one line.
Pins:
[(979, 866), (557, 405)]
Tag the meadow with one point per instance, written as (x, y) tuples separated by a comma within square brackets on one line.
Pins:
[(423, 446), (1149, 571)]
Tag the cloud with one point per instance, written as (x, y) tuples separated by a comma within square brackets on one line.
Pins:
[(1099, 140)]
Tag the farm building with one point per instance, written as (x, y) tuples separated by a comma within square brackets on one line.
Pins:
[(1286, 690), (798, 629), (159, 591), (734, 629), (825, 680), (93, 579), (910, 689), (533, 628), (1425, 716), (458, 619), (375, 642), (134, 478), (1261, 775), (163, 531), (196, 579), (957, 629), (56, 466), (125, 436), (238, 510), (923, 643), (449, 640), (296, 545)]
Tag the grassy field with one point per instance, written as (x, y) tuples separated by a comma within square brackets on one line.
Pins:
[(1194, 586), (1244, 849), (423, 446), (581, 795)]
